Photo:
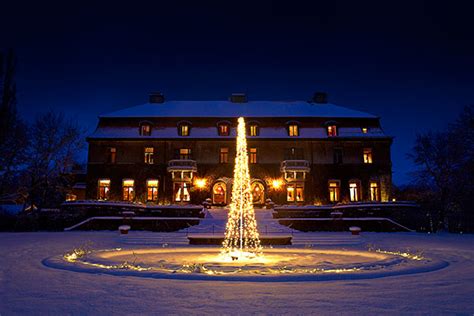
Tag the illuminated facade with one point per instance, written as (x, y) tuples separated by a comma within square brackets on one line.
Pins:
[(299, 152)]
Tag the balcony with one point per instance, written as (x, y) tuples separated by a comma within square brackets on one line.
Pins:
[(182, 165), (295, 166)]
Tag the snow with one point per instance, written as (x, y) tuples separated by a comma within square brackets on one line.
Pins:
[(229, 109), (211, 132), (28, 286)]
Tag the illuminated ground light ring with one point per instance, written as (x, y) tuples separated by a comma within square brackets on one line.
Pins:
[(391, 264)]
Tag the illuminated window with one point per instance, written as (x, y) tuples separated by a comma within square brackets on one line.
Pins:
[(332, 130), (253, 155), (152, 190), (111, 154), (223, 129), (183, 129), (71, 197), (294, 193), (145, 130), (149, 151), (334, 190), (128, 189), (374, 191), (254, 130), (293, 130), (337, 155), (354, 190), (367, 155), (185, 153), (104, 189), (365, 130), (224, 155), (181, 192)]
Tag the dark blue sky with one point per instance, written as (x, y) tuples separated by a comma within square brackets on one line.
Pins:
[(412, 63)]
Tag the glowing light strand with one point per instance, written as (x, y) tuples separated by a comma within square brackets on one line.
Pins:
[(241, 234)]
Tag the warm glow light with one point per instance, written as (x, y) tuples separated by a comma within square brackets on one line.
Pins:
[(277, 184), (200, 183), (241, 235)]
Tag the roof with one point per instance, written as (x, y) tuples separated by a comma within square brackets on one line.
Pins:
[(230, 109)]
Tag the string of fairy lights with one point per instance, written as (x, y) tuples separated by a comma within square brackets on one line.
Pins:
[(241, 234)]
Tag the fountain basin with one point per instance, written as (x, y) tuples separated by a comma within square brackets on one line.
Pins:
[(276, 265)]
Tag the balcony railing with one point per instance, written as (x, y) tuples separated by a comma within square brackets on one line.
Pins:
[(182, 165), (295, 165)]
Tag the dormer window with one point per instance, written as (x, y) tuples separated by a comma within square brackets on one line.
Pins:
[(254, 129), (365, 130), (184, 128), (145, 129), (223, 129), (332, 130), (293, 130)]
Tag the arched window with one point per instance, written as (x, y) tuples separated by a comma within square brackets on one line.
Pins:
[(145, 129), (258, 192), (184, 128), (223, 128), (219, 191)]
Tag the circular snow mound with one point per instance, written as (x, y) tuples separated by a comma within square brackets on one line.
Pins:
[(284, 264)]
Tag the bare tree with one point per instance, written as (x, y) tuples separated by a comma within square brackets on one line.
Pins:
[(446, 165), (54, 144), (13, 139)]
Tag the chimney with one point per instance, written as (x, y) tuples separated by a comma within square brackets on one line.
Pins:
[(320, 97), (156, 97), (238, 98)]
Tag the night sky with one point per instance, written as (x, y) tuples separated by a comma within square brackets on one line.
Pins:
[(412, 63)]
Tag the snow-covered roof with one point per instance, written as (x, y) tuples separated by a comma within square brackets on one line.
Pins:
[(230, 109), (211, 132)]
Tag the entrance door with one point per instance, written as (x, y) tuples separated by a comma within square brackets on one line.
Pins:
[(258, 193), (219, 193)]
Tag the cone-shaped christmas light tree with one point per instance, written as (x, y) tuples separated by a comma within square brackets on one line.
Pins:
[(241, 235)]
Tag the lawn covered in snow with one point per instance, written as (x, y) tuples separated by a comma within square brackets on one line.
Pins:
[(27, 286)]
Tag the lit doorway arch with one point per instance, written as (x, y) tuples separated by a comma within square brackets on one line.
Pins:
[(258, 192), (219, 193)]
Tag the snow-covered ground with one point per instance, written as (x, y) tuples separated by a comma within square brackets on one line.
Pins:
[(27, 286)]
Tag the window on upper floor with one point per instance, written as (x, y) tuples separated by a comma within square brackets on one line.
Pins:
[(149, 152), (111, 155), (338, 155), (367, 155), (332, 130), (145, 129), (334, 187), (254, 129), (253, 155), (184, 128), (364, 130), (293, 130), (224, 155), (185, 153), (223, 129)]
